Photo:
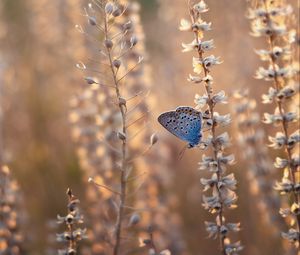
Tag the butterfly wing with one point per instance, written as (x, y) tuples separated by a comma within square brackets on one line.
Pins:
[(184, 122)]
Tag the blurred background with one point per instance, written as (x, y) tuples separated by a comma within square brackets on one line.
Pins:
[(39, 50)]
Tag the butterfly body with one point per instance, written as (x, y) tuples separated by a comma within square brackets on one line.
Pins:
[(185, 123)]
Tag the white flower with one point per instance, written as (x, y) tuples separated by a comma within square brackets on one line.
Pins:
[(293, 139), (272, 11), (207, 45), (200, 7), (208, 163), (212, 203), (223, 120), (165, 252), (256, 13), (261, 29), (272, 118), (195, 79), (268, 98), (281, 162), (222, 140), (269, 74), (200, 101), (208, 183), (292, 36), (228, 182), (212, 229), (286, 92), (210, 61), (276, 53), (281, 11), (189, 46), (230, 200), (233, 248), (278, 141), (296, 160), (226, 160), (185, 25), (220, 97), (202, 26), (292, 235)]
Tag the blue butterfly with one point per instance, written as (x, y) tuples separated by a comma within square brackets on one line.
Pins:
[(185, 123)]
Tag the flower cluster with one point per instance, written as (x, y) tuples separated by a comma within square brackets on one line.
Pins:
[(10, 238), (222, 186), (251, 141), (271, 19), (72, 235)]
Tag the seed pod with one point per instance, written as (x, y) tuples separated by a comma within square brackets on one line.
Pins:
[(116, 12), (127, 25), (109, 8), (108, 43), (153, 139), (133, 41), (90, 80), (121, 136), (117, 63), (122, 101), (92, 21), (134, 219)]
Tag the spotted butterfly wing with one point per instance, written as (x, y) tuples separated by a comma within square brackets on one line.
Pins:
[(185, 123)]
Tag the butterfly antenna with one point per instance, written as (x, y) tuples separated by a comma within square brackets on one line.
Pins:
[(181, 153)]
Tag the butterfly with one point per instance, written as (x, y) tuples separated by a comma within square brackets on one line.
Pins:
[(185, 123)]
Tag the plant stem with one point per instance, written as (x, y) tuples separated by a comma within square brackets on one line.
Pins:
[(284, 124), (123, 182), (72, 242)]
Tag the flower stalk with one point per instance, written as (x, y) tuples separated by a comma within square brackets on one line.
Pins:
[(222, 186), (270, 20), (122, 109), (72, 235)]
